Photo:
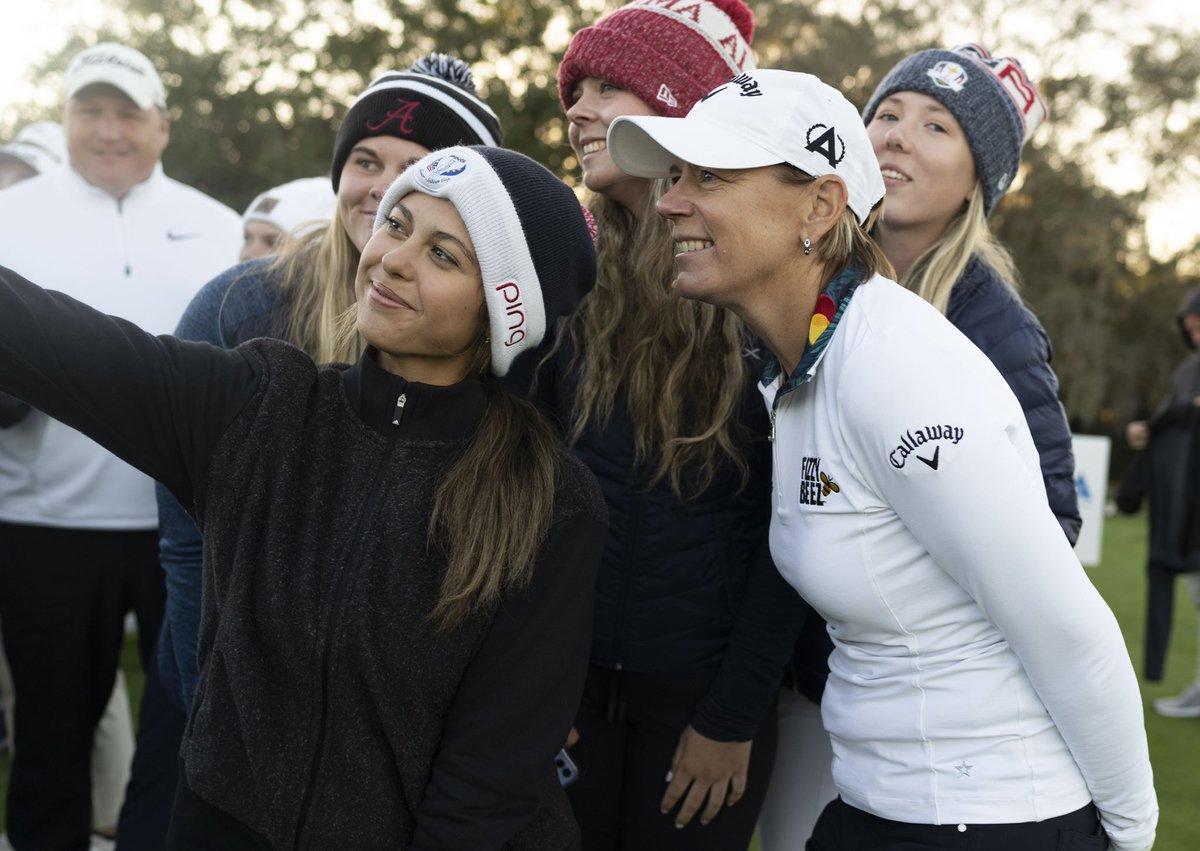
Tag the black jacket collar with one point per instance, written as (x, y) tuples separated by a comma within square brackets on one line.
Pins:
[(429, 412)]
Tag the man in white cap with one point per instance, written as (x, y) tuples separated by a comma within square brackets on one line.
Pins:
[(78, 547)]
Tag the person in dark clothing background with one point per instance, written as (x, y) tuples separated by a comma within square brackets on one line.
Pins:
[(1168, 473), (399, 554)]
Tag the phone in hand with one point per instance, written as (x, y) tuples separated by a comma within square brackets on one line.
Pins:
[(568, 771)]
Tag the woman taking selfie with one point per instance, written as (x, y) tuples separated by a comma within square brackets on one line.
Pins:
[(980, 695), (299, 294), (398, 554)]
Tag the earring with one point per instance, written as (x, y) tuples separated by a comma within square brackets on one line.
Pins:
[(807, 246)]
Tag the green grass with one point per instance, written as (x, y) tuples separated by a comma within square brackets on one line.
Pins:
[(1174, 743)]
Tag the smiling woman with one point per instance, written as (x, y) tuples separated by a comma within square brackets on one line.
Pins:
[(399, 555), (420, 292), (979, 691)]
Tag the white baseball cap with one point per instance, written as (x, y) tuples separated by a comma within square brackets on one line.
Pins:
[(308, 201), (40, 145), (119, 66), (758, 118)]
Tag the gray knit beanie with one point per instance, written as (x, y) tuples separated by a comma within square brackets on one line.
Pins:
[(993, 100)]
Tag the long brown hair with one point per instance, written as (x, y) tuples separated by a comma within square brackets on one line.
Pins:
[(494, 508), (492, 511), (677, 363)]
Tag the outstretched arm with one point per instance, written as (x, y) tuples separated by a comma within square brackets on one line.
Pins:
[(156, 402)]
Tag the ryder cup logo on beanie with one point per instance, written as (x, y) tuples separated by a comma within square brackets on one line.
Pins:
[(756, 119), (993, 100), (440, 170), (119, 66), (531, 240), (948, 75), (667, 52)]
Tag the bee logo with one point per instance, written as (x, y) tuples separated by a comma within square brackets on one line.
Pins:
[(828, 485)]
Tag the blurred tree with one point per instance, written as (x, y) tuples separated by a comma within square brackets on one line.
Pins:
[(257, 88)]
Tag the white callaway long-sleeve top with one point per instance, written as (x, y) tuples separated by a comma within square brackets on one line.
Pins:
[(977, 675)]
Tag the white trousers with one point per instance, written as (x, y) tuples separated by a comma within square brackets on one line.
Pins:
[(802, 781)]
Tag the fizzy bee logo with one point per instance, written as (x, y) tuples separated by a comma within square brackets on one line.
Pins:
[(816, 485)]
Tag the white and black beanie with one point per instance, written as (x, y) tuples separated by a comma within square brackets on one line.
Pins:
[(433, 103), (993, 100), (531, 239)]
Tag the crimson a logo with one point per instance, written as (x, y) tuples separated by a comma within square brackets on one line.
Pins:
[(402, 115)]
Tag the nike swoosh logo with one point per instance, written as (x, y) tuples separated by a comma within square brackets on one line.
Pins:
[(931, 464), (172, 235), (713, 92)]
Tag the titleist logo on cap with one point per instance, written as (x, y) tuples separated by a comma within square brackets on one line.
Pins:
[(111, 59)]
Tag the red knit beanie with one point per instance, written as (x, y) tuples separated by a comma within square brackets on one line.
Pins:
[(670, 53)]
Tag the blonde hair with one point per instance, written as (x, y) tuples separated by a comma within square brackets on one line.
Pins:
[(936, 272), (316, 276), (677, 363)]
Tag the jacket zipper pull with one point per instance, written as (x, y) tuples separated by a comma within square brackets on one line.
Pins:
[(401, 401), (771, 436)]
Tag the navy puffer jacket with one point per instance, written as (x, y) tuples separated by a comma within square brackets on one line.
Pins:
[(686, 587), (993, 317)]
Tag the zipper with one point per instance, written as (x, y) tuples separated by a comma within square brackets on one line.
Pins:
[(124, 237), (352, 564), (777, 484)]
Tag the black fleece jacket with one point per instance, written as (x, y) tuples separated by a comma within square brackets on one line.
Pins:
[(330, 712)]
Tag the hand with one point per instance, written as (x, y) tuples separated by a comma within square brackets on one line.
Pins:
[(572, 738), (1137, 434), (711, 768)]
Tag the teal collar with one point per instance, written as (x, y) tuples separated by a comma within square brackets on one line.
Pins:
[(839, 291)]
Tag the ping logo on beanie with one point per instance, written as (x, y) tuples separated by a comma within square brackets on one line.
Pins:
[(529, 233)]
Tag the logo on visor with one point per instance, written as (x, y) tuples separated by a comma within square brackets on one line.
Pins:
[(441, 170), (823, 140), (948, 75), (748, 84)]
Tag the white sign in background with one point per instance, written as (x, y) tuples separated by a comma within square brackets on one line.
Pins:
[(1091, 483)]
